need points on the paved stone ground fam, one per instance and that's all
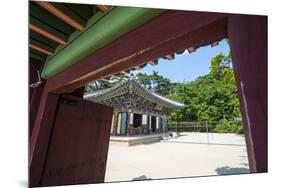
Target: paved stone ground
(186, 156)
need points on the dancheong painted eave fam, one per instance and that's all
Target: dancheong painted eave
(116, 23)
(129, 86)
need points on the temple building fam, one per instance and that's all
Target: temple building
(137, 111)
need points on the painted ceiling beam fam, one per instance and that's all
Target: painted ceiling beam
(169, 57)
(46, 34)
(154, 62)
(216, 43)
(116, 57)
(114, 76)
(180, 52)
(191, 50)
(40, 49)
(103, 8)
(125, 73)
(137, 68)
(60, 15)
(116, 23)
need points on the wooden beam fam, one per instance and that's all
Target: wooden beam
(137, 67)
(154, 62)
(125, 73)
(40, 49)
(180, 52)
(103, 8)
(113, 76)
(214, 44)
(169, 57)
(60, 15)
(176, 34)
(46, 34)
(191, 50)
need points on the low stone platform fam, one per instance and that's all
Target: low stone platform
(134, 140)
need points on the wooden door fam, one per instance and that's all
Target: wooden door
(78, 146)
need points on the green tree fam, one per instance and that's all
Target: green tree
(155, 82)
(212, 97)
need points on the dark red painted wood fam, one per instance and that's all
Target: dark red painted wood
(34, 105)
(34, 93)
(40, 136)
(79, 143)
(170, 32)
(79, 92)
(33, 66)
(248, 42)
(171, 29)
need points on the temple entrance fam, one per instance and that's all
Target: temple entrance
(137, 120)
(153, 124)
(204, 28)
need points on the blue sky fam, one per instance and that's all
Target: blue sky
(187, 67)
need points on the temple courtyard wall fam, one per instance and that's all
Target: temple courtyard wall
(191, 154)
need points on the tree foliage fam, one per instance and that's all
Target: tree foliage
(155, 82)
(212, 97)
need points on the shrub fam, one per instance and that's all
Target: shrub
(228, 126)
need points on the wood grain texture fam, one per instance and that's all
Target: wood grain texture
(248, 43)
(79, 143)
(41, 133)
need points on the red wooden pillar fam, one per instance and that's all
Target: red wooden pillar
(248, 43)
(34, 105)
(34, 66)
(41, 133)
(34, 93)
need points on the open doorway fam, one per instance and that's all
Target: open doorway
(153, 124)
(203, 82)
(137, 120)
(161, 35)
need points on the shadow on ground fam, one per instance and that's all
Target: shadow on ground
(227, 170)
(142, 177)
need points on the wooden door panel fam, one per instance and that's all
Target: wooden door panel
(79, 142)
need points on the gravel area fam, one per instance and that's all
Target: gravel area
(189, 155)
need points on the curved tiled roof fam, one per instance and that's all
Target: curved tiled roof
(127, 86)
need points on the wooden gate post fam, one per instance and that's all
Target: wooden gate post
(41, 133)
(248, 43)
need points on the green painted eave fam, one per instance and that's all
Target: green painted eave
(114, 24)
